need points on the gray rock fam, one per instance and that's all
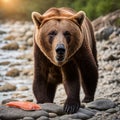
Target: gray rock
(7, 113)
(92, 110)
(87, 112)
(65, 117)
(43, 118)
(7, 87)
(51, 107)
(94, 118)
(101, 104)
(75, 116)
(80, 116)
(104, 33)
(56, 118)
(111, 110)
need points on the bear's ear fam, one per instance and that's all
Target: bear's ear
(37, 18)
(79, 17)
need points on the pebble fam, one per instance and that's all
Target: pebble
(52, 115)
(109, 67)
(4, 63)
(28, 118)
(111, 58)
(10, 37)
(13, 72)
(7, 87)
(30, 41)
(23, 88)
(101, 104)
(11, 46)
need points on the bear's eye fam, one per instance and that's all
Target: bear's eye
(67, 35)
(52, 34)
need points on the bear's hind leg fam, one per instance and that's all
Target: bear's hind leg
(72, 87)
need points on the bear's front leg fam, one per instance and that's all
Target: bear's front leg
(72, 87)
(40, 76)
(40, 89)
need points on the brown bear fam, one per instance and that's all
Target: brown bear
(64, 52)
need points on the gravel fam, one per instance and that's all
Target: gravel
(16, 74)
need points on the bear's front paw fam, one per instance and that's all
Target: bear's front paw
(71, 106)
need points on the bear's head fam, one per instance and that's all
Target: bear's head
(58, 33)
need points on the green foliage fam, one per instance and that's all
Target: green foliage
(21, 9)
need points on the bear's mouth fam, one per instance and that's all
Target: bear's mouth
(60, 58)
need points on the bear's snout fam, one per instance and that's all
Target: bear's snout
(60, 52)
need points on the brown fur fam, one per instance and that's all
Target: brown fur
(80, 56)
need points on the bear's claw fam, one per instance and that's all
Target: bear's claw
(71, 108)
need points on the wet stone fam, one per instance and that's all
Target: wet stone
(56, 118)
(80, 116)
(92, 110)
(51, 107)
(101, 104)
(77, 115)
(111, 110)
(87, 112)
(7, 113)
(43, 118)
(65, 117)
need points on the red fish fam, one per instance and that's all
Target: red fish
(24, 105)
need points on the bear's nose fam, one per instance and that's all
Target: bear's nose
(60, 49)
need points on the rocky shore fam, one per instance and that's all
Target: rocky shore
(16, 74)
